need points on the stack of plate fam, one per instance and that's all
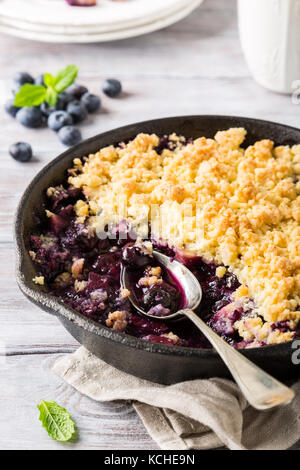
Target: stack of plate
(55, 21)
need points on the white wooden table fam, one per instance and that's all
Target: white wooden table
(193, 67)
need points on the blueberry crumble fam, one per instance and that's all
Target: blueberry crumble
(231, 215)
(82, 3)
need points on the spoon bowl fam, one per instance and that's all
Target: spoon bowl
(188, 282)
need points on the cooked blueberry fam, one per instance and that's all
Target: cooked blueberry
(282, 326)
(144, 325)
(22, 77)
(30, 117)
(82, 3)
(159, 339)
(10, 108)
(77, 90)
(164, 143)
(39, 80)
(223, 321)
(132, 256)
(161, 294)
(21, 151)
(232, 282)
(111, 87)
(77, 110)
(106, 262)
(57, 223)
(159, 311)
(69, 135)
(59, 119)
(91, 102)
(47, 110)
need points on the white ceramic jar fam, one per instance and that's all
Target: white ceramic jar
(270, 38)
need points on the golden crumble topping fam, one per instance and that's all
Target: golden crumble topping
(79, 285)
(220, 271)
(39, 280)
(172, 337)
(117, 320)
(124, 293)
(77, 267)
(237, 207)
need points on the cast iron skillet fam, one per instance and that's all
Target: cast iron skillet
(156, 362)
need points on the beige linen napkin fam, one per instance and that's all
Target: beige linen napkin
(197, 414)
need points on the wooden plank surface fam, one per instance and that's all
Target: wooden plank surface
(194, 67)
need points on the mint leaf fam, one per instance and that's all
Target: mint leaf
(49, 80)
(30, 95)
(65, 77)
(56, 420)
(51, 96)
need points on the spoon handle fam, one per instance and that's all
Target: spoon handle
(260, 389)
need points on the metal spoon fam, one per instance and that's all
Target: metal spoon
(260, 389)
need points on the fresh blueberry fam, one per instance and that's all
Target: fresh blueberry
(65, 98)
(69, 135)
(39, 80)
(47, 110)
(10, 108)
(77, 90)
(59, 119)
(21, 151)
(23, 77)
(91, 102)
(30, 117)
(77, 110)
(111, 87)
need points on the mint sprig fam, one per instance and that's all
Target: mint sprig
(34, 95)
(56, 420)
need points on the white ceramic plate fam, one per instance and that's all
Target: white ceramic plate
(113, 20)
(106, 13)
(90, 29)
